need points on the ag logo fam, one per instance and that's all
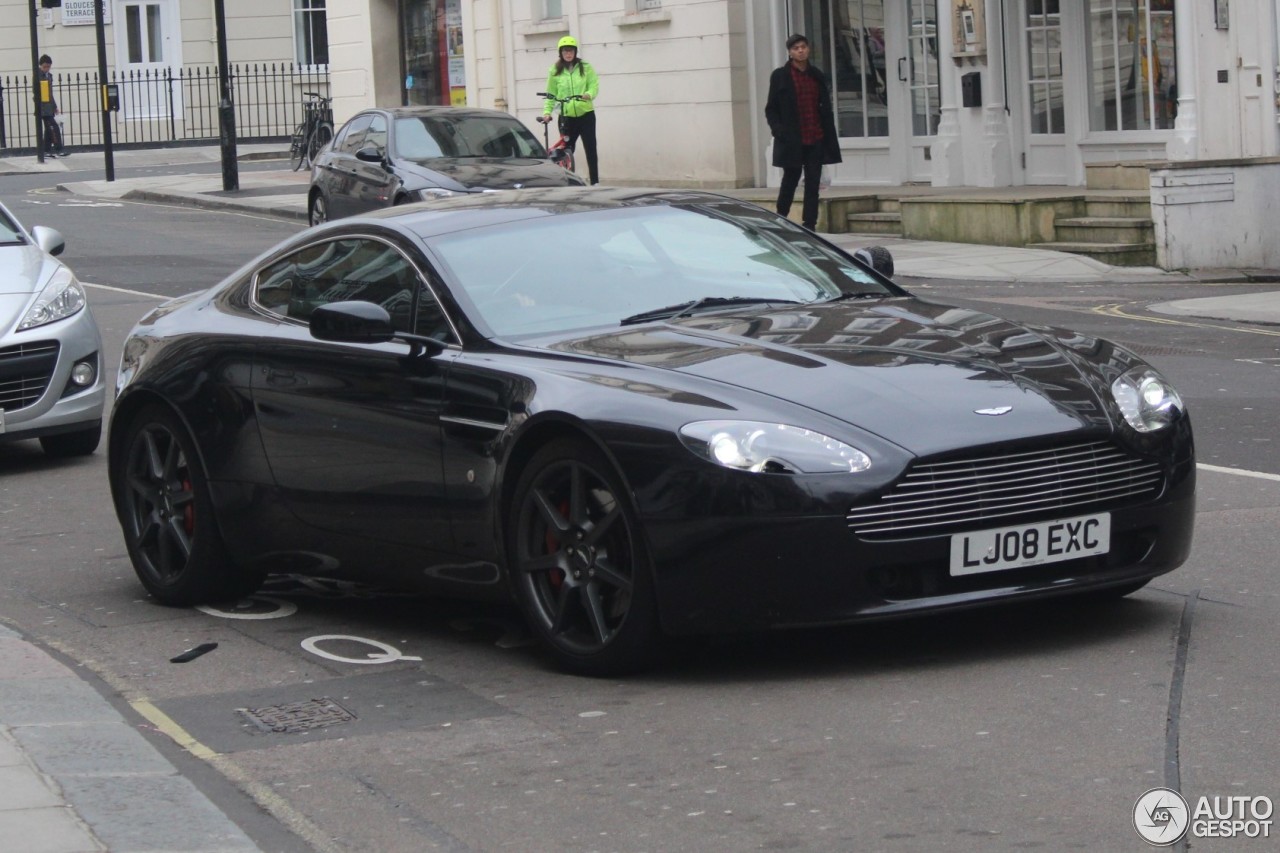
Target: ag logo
(1160, 816)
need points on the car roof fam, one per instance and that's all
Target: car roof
(438, 110)
(474, 210)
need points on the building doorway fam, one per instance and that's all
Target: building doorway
(148, 52)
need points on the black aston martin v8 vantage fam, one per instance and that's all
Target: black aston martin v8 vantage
(641, 413)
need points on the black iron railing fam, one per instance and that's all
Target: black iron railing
(162, 107)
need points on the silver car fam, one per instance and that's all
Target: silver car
(51, 385)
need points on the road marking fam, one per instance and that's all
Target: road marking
(1116, 309)
(242, 609)
(166, 726)
(1239, 472)
(124, 290)
(389, 653)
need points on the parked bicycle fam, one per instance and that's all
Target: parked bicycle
(315, 132)
(562, 152)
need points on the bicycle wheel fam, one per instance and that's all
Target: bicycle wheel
(322, 137)
(298, 147)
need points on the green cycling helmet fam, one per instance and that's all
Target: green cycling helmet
(567, 41)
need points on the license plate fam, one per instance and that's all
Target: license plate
(1030, 544)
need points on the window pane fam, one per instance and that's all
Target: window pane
(854, 29)
(155, 40)
(311, 32)
(340, 271)
(133, 32)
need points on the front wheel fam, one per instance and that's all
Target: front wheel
(318, 209)
(166, 514)
(298, 147)
(578, 563)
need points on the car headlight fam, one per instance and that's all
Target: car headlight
(771, 448)
(61, 297)
(1146, 399)
(434, 192)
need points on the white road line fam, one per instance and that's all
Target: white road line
(123, 290)
(1239, 472)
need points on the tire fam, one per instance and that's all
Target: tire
(166, 515)
(322, 137)
(878, 258)
(578, 565)
(298, 147)
(67, 444)
(317, 209)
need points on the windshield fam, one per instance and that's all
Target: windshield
(9, 232)
(464, 135)
(604, 267)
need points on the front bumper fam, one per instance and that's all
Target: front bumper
(60, 408)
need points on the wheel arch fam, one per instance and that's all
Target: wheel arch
(127, 408)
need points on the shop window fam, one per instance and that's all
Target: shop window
(310, 32)
(1132, 64)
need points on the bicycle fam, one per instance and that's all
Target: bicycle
(562, 152)
(315, 132)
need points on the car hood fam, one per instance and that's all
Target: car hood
(483, 173)
(924, 376)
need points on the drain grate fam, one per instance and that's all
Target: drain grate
(295, 717)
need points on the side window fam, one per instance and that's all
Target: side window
(431, 320)
(340, 271)
(353, 139)
(376, 135)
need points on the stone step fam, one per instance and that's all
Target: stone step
(1116, 254)
(1128, 175)
(1124, 206)
(882, 222)
(1114, 230)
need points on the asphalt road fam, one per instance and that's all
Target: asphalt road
(442, 728)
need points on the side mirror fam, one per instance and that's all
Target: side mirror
(49, 239)
(358, 322)
(369, 154)
(352, 323)
(878, 258)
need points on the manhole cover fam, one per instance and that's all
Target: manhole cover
(297, 716)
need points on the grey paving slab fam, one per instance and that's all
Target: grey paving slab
(49, 830)
(24, 788)
(146, 813)
(46, 701)
(86, 748)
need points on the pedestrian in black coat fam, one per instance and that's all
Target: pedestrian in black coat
(803, 124)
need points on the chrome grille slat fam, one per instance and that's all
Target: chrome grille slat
(943, 497)
(25, 371)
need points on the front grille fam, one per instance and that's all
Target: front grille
(1007, 488)
(25, 370)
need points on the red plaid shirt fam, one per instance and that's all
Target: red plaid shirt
(807, 106)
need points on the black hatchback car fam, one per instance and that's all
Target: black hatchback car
(385, 157)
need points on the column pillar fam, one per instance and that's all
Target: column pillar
(1185, 144)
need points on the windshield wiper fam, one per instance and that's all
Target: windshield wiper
(684, 309)
(862, 294)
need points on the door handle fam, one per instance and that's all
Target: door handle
(902, 75)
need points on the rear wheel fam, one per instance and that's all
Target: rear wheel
(166, 514)
(298, 147)
(578, 563)
(67, 444)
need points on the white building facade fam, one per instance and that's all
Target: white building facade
(984, 93)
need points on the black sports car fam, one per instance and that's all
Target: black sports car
(643, 414)
(387, 157)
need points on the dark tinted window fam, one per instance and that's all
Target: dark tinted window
(340, 271)
(464, 135)
(353, 136)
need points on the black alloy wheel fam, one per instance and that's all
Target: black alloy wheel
(318, 211)
(579, 565)
(162, 499)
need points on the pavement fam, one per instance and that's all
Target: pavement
(77, 774)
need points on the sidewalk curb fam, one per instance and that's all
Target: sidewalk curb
(202, 200)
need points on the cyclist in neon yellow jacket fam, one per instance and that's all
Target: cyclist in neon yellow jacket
(570, 76)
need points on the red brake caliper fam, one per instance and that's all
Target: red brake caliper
(556, 576)
(189, 511)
